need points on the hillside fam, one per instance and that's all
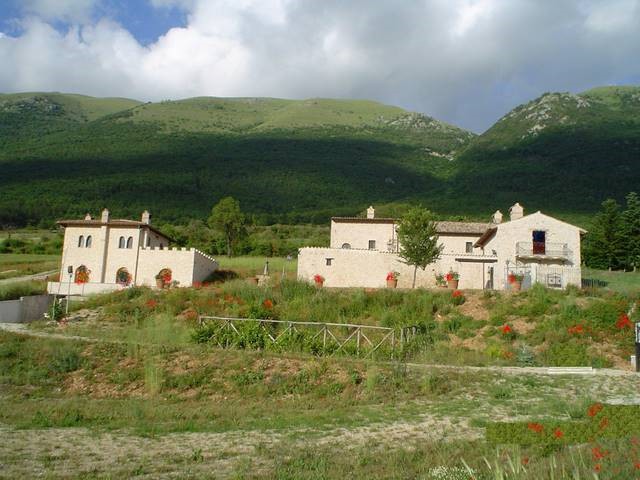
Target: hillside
(304, 160)
(285, 160)
(559, 152)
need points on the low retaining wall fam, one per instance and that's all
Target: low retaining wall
(27, 309)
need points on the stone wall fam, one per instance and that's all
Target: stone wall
(369, 269)
(186, 265)
(357, 235)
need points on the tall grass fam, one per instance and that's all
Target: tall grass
(13, 291)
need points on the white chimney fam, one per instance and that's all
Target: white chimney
(88, 216)
(371, 213)
(516, 211)
(497, 217)
(146, 217)
(105, 216)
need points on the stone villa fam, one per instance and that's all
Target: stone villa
(101, 255)
(363, 251)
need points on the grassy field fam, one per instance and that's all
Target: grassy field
(74, 409)
(18, 265)
(624, 282)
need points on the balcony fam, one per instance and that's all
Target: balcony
(543, 251)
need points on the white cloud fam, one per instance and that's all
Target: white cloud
(465, 61)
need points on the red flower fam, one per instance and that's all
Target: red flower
(457, 293)
(594, 409)
(558, 433)
(318, 278)
(576, 330)
(597, 467)
(268, 304)
(535, 427)
(603, 423)
(506, 329)
(597, 453)
(624, 322)
(151, 303)
(525, 460)
(392, 276)
(636, 465)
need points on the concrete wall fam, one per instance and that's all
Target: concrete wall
(358, 234)
(369, 269)
(26, 309)
(62, 288)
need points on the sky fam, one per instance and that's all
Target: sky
(467, 62)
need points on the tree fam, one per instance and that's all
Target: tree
(605, 242)
(631, 230)
(418, 239)
(227, 217)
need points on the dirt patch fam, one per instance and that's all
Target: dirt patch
(474, 307)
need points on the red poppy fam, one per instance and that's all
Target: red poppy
(151, 303)
(535, 427)
(268, 304)
(624, 322)
(506, 329)
(636, 465)
(576, 330)
(318, 278)
(597, 453)
(457, 293)
(594, 409)
(597, 467)
(525, 460)
(558, 433)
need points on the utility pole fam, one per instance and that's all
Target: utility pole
(70, 272)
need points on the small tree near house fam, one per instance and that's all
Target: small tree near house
(227, 217)
(418, 238)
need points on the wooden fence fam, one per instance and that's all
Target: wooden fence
(336, 337)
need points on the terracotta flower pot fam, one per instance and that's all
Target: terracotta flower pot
(393, 283)
(319, 284)
(254, 280)
(516, 286)
(452, 284)
(159, 283)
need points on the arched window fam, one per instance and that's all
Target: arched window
(81, 241)
(346, 246)
(88, 242)
(130, 242)
(123, 277)
(82, 274)
(121, 242)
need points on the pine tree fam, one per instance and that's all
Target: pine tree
(631, 230)
(605, 243)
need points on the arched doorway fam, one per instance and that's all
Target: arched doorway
(82, 274)
(123, 277)
(163, 278)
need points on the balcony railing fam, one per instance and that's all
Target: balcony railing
(543, 250)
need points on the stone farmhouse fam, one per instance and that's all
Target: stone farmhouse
(101, 255)
(363, 251)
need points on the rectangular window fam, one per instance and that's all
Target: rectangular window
(539, 242)
(469, 247)
(329, 261)
(372, 244)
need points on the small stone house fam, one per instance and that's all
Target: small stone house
(108, 254)
(363, 251)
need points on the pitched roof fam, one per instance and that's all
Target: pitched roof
(468, 228)
(111, 223)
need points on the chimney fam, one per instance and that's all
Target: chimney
(105, 216)
(497, 217)
(371, 213)
(146, 217)
(88, 217)
(516, 212)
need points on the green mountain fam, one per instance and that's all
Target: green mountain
(62, 155)
(559, 152)
(293, 161)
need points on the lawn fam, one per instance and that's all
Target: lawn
(625, 282)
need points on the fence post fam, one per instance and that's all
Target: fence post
(324, 338)
(358, 341)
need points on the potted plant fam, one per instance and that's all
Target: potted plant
(392, 279)
(319, 279)
(440, 281)
(452, 279)
(163, 278)
(515, 280)
(159, 281)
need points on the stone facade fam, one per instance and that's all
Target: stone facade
(113, 254)
(364, 250)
